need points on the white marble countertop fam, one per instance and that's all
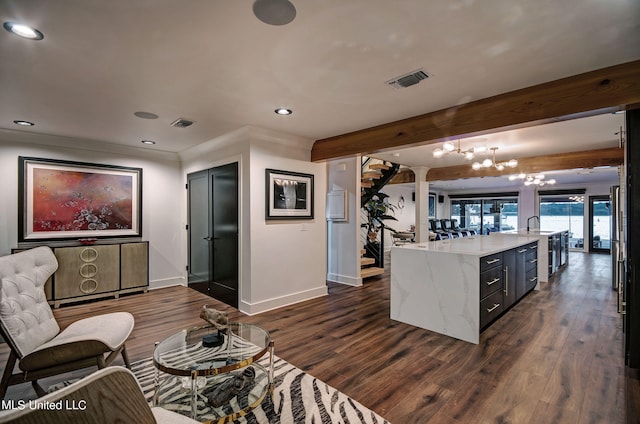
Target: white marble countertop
(473, 246)
(531, 233)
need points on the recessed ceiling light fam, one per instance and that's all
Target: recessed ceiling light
(148, 142)
(146, 115)
(23, 123)
(283, 111)
(23, 31)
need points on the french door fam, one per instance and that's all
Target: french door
(213, 232)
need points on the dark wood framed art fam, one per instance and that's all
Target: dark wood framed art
(289, 195)
(59, 200)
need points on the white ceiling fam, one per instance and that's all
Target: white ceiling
(214, 62)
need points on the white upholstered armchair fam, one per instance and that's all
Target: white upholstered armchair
(29, 327)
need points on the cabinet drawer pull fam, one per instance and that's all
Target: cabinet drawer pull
(493, 261)
(532, 261)
(533, 279)
(495, 306)
(495, 280)
(522, 250)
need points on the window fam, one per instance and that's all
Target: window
(486, 215)
(564, 213)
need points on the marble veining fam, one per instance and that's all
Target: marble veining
(436, 285)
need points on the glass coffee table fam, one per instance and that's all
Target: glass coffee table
(214, 383)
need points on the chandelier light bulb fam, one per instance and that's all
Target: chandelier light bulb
(527, 183)
(487, 163)
(469, 155)
(437, 153)
(513, 177)
(476, 166)
(522, 176)
(512, 163)
(500, 167)
(449, 147)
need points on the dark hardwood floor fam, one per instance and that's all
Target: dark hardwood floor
(555, 357)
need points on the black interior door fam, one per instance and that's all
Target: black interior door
(213, 232)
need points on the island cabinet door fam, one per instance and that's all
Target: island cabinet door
(521, 271)
(510, 277)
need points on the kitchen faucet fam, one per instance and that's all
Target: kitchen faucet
(530, 218)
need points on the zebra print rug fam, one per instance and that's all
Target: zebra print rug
(297, 398)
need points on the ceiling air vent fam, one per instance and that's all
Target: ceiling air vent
(181, 123)
(408, 80)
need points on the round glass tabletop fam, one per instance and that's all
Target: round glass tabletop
(204, 351)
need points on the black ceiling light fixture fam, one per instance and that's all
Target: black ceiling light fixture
(274, 12)
(23, 31)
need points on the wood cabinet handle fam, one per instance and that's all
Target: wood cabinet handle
(493, 261)
(522, 251)
(495, 306)
(495, 280)
(533, 247)
(533, 261)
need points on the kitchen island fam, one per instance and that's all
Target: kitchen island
(459, 286)
(553, 249)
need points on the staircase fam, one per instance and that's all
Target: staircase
(375, 175)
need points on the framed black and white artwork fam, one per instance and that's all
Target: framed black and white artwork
(289, 195)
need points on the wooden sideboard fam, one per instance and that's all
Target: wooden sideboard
(96, 271)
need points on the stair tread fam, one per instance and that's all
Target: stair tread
(371, 271)
(371, 175)
(367, 261)
(366, 184)
(379, 166)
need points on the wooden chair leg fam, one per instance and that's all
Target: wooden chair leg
(6, 375)
(125, 357)
(40, 391)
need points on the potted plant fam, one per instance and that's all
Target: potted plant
(378, 210)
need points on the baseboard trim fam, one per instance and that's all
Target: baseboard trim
(343, 279)
(279, 302)
(167, 282)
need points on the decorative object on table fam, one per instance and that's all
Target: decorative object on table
(289, 195)
(230, 388)
(68, 200)
(219, 320)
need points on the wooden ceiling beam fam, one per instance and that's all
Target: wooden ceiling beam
(613, 88)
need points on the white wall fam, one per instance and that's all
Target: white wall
(161, 177)
(343, 265)
(282, 262)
